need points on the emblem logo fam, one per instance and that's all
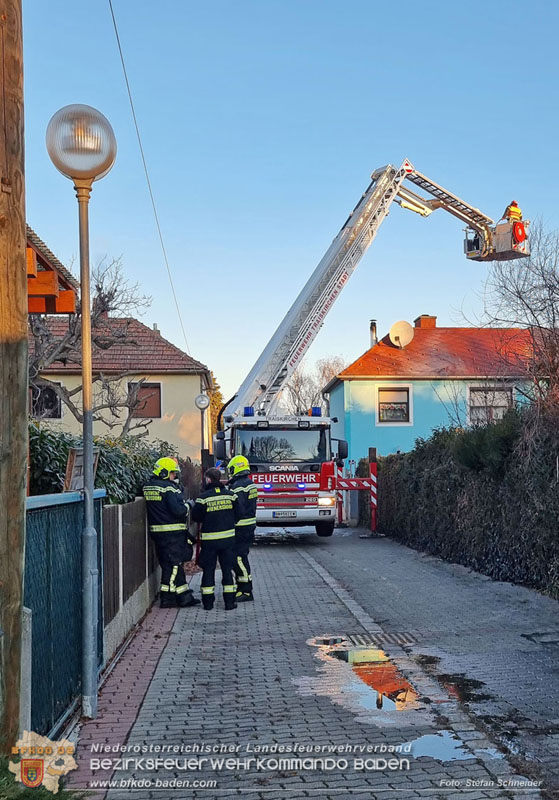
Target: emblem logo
(32, 771)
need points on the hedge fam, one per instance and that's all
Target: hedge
(124, 463)
(470, 497)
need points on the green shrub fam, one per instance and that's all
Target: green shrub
(124, 463)
(488, 447)
(471, 498)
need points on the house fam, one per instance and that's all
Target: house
(51, 288)
(391, 395)
(169, 382)
(169, 379)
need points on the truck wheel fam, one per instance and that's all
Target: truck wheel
(325, 528)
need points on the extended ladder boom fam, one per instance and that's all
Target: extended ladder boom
(262, 387)
(302, 322)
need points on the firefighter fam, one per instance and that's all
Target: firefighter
(513, 212)
(168, 527)
(216, 511)
(247, 494)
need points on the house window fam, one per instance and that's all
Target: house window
(149, 400)
(488, 404)
(45, 403)
(393, 405)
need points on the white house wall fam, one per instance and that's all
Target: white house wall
(180, 421)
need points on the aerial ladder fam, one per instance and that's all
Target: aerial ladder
(292, 458)
(485, 241)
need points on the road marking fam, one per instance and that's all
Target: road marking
(358, 611)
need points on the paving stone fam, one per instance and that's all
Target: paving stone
(251, 677)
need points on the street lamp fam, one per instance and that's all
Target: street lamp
(202, 401)
(82, 146)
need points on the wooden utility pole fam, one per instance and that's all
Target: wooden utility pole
(13, 367)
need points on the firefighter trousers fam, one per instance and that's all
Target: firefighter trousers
(212, 551)
(173, 549)
(244, 537)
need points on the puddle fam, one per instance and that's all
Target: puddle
(365, 681)
(330, 640)
(362, 679)
(426, 661)
(443, 746)
(459, 687)
(464, 689)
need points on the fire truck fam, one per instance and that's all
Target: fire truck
(294, 460)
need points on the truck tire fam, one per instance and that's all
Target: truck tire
(325, 528)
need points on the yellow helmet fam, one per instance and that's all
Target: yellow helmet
(164, 466)
(237, 465)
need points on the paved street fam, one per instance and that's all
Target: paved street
(272, 700)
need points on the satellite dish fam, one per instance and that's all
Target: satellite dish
(401, 333)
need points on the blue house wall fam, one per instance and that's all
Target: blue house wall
(432, 403)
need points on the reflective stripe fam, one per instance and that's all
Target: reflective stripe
(248, 521)
(181, 589)
(158, 490)
(224, 503)
(161, 489)
(230, 588)
(245, 488)
(164, 587)
(217, 534)
(244, 577)
(172, 585)
(175, 526)
(208, 589)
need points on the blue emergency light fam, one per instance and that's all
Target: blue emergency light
(268, 486)
(316, 411)
(248, 411)
(302, 486)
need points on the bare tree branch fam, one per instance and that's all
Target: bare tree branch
(115, 301)
(525, 294)
(304, 389)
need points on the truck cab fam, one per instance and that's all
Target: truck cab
(293, 466)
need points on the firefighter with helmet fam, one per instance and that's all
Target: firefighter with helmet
(242, 486)
(167, 513)
(216, 511)
(513, 212)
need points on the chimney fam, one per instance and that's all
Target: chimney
(373, 329)
(156, 329)
(425, 321)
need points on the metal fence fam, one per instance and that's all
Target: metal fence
(52, 591)
(128, 554)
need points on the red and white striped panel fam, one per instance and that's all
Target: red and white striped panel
(339, 493)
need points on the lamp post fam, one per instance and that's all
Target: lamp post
(202, 401)
(82, 146)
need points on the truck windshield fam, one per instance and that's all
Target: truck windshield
(275, 446)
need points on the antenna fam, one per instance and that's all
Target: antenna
(401, 334)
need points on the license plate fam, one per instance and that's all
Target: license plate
(276, 514)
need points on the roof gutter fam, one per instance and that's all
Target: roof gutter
(485, 377)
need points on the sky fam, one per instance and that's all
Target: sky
(262, 121)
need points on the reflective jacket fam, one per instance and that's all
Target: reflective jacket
(166, 507)
(247, 496)
(216, 510)
(514, 213)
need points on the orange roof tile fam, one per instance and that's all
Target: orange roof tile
(448, 353)
(146, 351)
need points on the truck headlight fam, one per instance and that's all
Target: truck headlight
(326, 501)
